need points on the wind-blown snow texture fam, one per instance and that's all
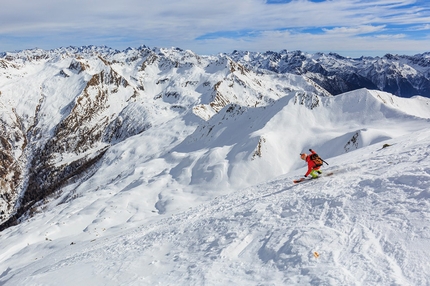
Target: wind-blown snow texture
(193, 179)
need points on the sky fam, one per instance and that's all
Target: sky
(348, 27)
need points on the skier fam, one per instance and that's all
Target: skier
(314, 163)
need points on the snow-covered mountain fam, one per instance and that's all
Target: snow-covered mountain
(161, 166)
(63, 109)
(404, 76)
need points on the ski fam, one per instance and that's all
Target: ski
(299, 180)
(305, 179)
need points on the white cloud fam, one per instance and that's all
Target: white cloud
(423, 27)
(355, 30)
(119, 24)
(344, 44)
(396, 36)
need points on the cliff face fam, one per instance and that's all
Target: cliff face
(12, 159)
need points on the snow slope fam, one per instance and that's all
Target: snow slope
(215, 204)
(194, 185)
(369, 223)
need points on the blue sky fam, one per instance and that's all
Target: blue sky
(348, 27)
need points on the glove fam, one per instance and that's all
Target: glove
(305, 176)
(310, 150)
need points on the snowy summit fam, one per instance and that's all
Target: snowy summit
(163, 167)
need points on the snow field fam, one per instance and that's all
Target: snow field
(369, 223)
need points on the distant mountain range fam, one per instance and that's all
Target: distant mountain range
(63, 109)
(404, 76)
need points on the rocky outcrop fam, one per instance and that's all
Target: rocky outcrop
(12, 157)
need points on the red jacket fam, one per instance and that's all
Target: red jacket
(311, 164)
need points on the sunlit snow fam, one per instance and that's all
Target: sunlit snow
(212, 202)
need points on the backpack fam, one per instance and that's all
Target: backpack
(316, 159)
